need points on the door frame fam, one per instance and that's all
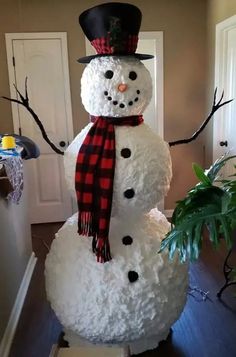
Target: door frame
(220, 64)
(10, 37)
(157, 36)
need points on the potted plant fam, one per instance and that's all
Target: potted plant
(210, 205)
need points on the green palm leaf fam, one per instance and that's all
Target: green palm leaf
(212, 172)
(206, 206)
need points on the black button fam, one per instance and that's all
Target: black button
(108, 74)
(127, 240)
(131, 103)
(125, 153)
(133, 276)
(132, 75)
(122, 105)
(129, 193)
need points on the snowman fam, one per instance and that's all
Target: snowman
(105, 280)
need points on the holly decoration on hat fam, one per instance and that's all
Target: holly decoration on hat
(116, 37)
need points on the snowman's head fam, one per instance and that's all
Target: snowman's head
(116, 87)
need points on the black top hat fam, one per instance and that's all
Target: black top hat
(112, 29)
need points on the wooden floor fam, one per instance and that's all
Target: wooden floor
(205, 329)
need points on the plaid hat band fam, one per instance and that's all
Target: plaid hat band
(104, 45)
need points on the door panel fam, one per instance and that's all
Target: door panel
(225, 74)
(150, 114)
(40, 59)
(230, 111)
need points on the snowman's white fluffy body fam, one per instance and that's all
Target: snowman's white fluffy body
(97, 301)
(99, 93)
(147, 171)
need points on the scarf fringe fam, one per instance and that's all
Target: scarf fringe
(85, 224)
(101, 248)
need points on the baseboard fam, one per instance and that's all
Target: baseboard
(168, 213)
(16, 310)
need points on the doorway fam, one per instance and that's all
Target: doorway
(224, 129)
(43, 59)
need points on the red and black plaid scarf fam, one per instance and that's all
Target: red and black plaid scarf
(95, 168)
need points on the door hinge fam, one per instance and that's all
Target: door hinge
(13, 61)
(20, 131)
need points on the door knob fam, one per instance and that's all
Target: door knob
(224, 143)
(62, 143)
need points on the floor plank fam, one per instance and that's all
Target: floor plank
(38, 326)
(206, 328)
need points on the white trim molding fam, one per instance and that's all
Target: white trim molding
(8, 336)
(168, 213)
(158, 92)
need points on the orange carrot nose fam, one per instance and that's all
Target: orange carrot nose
(122, 87)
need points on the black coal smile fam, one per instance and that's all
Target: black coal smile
(121, 105)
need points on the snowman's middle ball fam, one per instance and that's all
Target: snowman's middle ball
(116, 87)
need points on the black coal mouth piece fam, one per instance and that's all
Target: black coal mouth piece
(122, 105)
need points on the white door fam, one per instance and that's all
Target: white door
(152, 43)
(225, 79)
(43, 59)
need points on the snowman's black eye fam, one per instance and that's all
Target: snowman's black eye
(108, 74)
(132, 75)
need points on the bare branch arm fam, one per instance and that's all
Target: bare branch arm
(25, 103)
(214, 108)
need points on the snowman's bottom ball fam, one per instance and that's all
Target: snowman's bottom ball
(103, 303)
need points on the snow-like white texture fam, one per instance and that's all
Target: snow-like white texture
(97, 301)
(100, 95)
(70, 156)
(147, 171)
